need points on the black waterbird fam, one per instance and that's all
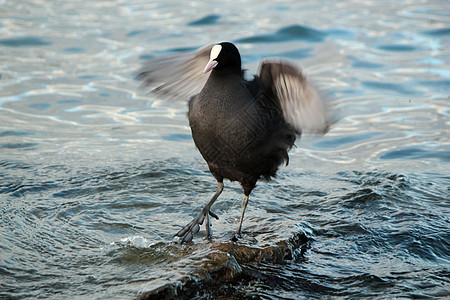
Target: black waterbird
(243, 128)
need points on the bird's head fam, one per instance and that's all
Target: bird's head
(224, 57)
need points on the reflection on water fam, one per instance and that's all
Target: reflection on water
(96, 176)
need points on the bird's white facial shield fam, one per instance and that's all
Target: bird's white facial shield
(212, 63)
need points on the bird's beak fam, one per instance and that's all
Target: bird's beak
(211, 65)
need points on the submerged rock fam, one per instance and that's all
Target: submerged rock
(221, 264)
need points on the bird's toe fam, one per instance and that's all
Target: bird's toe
(195, 229)
(213, 215)
(186, 234)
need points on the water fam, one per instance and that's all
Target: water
(96, 176)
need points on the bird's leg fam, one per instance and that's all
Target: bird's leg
(186, 234)
(208, 227)
(243, 206)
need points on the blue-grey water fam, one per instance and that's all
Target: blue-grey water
(96, 176)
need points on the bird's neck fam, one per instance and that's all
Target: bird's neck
(229, 71)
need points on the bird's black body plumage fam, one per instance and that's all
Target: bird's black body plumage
(243, 129)
(239, 133)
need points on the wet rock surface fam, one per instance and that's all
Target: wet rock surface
(227, 265)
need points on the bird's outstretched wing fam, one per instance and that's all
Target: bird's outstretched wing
(302, 105)
(178, 75)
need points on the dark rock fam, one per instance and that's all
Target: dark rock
(219, 266)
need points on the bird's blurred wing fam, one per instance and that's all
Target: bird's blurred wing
(178, 75)
(302, 105)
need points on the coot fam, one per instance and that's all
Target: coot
(243, 128)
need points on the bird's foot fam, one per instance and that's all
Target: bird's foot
(186, 234)
(236, 237)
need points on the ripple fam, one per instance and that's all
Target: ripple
(69, 101)
(395, 87)
(19, 190)
(439, 32)
(136, 32)
(437, 85)
(14, 133)
(398, 48)
(341, 33)
(19, 165)
(417, 153)
(349, 139)
(39, 106)
(207, 20)
(290, 33)
(358, 63)
(295, 54)
(177, 137)
(75, 49)
(25, 146)
(29, 41)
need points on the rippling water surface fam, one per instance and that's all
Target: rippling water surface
(96, 176)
